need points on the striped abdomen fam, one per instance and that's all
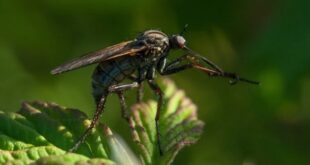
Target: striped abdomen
(109, 73)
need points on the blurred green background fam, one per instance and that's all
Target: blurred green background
(263, 40)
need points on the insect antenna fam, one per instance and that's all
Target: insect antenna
(184, 29)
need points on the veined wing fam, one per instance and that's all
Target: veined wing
(130, 48)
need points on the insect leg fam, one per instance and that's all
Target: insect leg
(204, 59)
(235, 78)
(173, 66)
(154, 86)
(172, 70)
(141, 76)
(122, 87)
(177, 61)
(140, 91)
(119, 89)
(163, 65)
(99, 111)
(125, 113)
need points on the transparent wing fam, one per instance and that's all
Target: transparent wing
(130, 48)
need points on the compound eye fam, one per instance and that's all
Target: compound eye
(180, 41)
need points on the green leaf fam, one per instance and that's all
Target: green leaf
(179, 126)
(41, 133)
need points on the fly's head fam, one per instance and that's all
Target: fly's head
(177, 42)
(157, 43)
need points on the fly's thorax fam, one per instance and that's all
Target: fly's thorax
(157, 42)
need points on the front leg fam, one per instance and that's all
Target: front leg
(173, 66)
(172, 70)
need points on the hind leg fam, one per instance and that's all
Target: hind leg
(99, 111)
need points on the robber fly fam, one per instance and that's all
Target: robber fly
(139, 60)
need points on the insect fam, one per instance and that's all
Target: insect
(139, 60)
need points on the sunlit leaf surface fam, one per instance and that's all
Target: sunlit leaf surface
(41, 133)
(179, 126)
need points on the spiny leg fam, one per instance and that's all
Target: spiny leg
(119, 89)
(234, 77)
(176, 62)
(125, 113)
(154, 86)
(172, 70)
(99, 111)
(174, 66)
